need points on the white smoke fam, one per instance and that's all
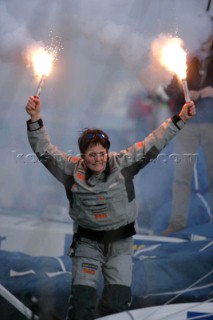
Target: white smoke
(14, 37)
(121, 29)
(129, 41)
(107, 57)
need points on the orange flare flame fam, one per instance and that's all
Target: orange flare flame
(173, 57)
(42, 61)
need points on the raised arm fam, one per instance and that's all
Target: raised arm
(142, 152)
(57, 162)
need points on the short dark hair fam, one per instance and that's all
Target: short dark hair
(93, 136)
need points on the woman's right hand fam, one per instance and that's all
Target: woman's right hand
(33, 108)
(188, 111)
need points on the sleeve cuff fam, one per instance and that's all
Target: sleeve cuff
(178, 122)
(33, 126)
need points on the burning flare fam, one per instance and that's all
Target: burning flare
(42, 61)
(172, 56)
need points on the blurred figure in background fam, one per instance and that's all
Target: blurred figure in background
(197, 133)
(148, 109)
(141, 111)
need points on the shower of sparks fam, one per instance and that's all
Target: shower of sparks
(42, 58)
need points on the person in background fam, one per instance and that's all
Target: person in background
(197, 133)
(141, 112)
(99, 187)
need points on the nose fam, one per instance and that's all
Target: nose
(98, 157)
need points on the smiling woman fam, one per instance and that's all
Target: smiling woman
(92, 137)
(95, 158)
(100, 190)
(106, 48)
(94, 145)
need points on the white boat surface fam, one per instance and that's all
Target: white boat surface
(182, 311)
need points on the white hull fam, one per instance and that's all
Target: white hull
(170, 312)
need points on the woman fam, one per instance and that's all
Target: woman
(100, 190)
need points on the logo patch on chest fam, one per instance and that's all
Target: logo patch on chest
(100, 215)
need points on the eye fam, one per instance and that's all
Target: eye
(102, 154)
(92, 154)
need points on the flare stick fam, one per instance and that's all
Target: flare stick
(186, 94)
(40, 85)
(186, 90)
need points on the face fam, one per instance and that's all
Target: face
(95, 158)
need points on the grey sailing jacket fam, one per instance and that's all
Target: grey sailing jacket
(98, 203)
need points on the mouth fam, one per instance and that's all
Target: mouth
(98, 164)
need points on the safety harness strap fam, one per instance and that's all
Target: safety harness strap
(107, 236)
